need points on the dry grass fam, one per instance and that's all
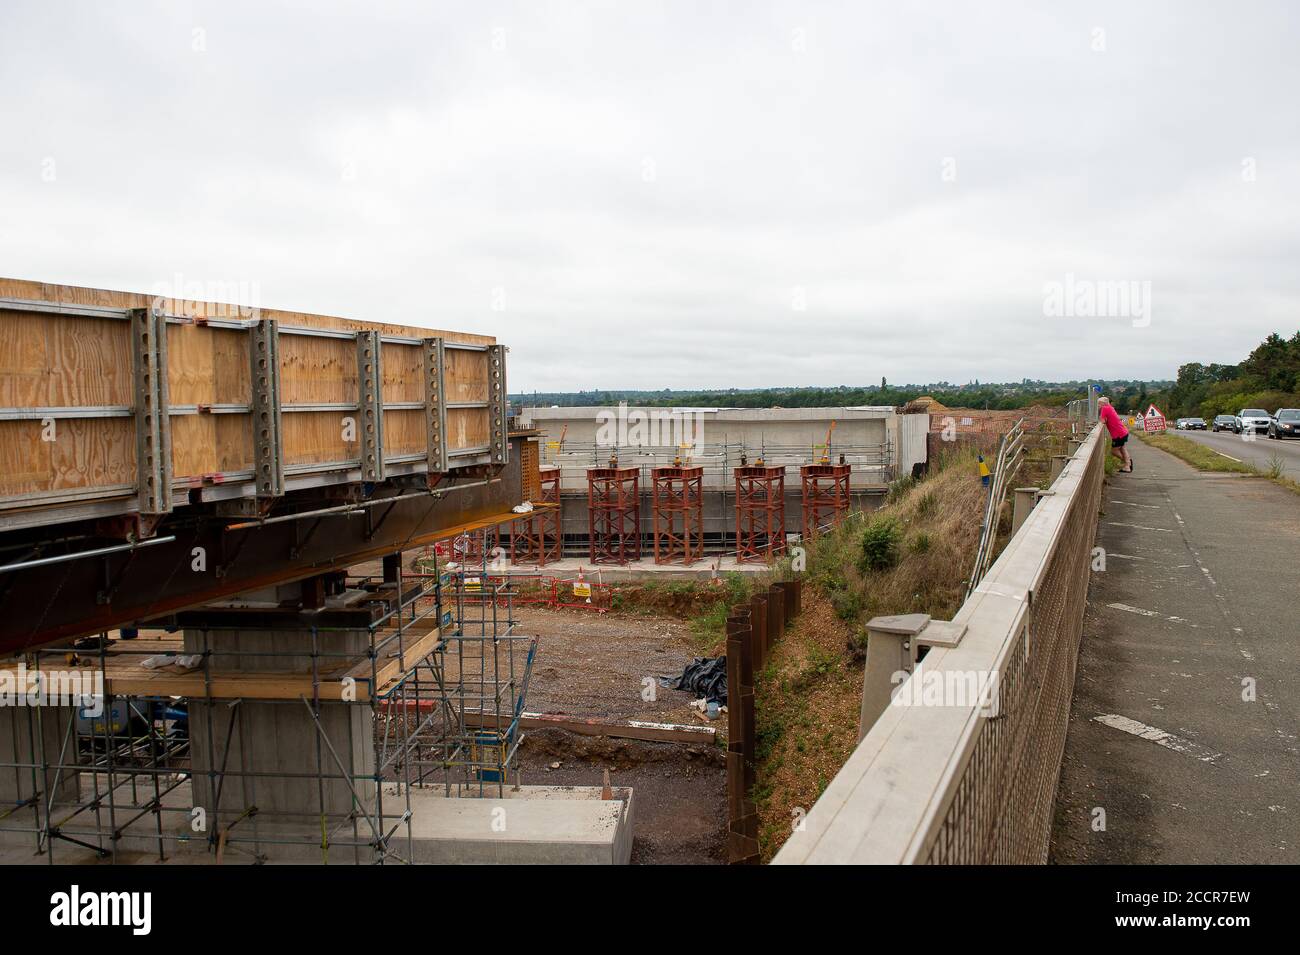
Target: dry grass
(809, 694)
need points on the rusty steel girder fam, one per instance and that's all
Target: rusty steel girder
(200, 558)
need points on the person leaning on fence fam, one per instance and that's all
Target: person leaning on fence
(1118, 434)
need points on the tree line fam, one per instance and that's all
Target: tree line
(1269, 378)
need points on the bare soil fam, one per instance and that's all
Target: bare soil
(679, 801)
(594, 665)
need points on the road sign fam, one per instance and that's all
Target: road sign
(1155, 420)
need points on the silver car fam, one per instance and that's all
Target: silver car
(1256, 420)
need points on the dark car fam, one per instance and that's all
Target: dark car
(1226, 422)
(1194, 424)
(1285, 424)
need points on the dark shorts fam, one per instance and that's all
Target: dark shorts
(1118, 442)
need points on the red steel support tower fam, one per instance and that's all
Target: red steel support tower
(760, 513)
(825, 497)
(538, 538)
(614, 512)
(678, 512)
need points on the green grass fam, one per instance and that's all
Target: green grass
(1204, 458)
(1199, 456)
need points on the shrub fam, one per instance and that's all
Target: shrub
(921, 543)
(847, 604)
(880, 544)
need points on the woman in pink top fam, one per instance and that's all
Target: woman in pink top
(1118, 433)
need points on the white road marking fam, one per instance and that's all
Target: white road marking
(1124, 556)
(1228, 456)
(1150, 613)
(1141, 527)
(1154, 507)
(1157, 736)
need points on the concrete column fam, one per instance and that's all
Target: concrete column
(1025, 499)
(36, 741)
(891, 648)
(280, 737)
(1075, 445)
(1059, 461)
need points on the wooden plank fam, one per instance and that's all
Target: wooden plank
(124, 675)
(385, 673)
(76, 295)
(619, 729)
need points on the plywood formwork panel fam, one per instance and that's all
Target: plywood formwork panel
(79, 362)
(467, 428)
(205, 365)
(75, 361)
(206, 445)
(402, 367)
(85, 453)
(75, 295)
(317, 370)
(404, 433)
(317, 437)
(465, 374)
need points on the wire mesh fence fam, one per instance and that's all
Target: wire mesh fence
(965, 783)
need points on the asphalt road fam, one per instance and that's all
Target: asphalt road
(1256, 452)
(1186, 709)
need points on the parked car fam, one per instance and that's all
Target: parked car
(1286, 423)
(1226, 422)
(1255, 420)
(1194, 424)
(1178, 425)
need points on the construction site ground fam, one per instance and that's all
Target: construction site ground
(594, 665)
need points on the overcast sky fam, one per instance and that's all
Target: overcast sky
(686, 195)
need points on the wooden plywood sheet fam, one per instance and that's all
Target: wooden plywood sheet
(404, 433)
(210, 445)
(465, 375)
(84, 453)
(51, 360)
(467, 428)
(76, 295)
(72, 361)
(207, 366)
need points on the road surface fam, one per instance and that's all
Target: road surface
(1186, 708)
(1256, 452)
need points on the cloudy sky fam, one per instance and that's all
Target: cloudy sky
(680, 194)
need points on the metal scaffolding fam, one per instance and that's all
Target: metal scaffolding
(825, 497)
(614, 514)
(171, 753)
(538, 538)
(677, 504)
(760, 513)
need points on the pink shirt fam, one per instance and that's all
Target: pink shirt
(1110, 418)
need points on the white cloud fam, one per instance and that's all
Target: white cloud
(651, 188)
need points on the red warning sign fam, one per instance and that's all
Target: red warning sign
(1155, 420)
